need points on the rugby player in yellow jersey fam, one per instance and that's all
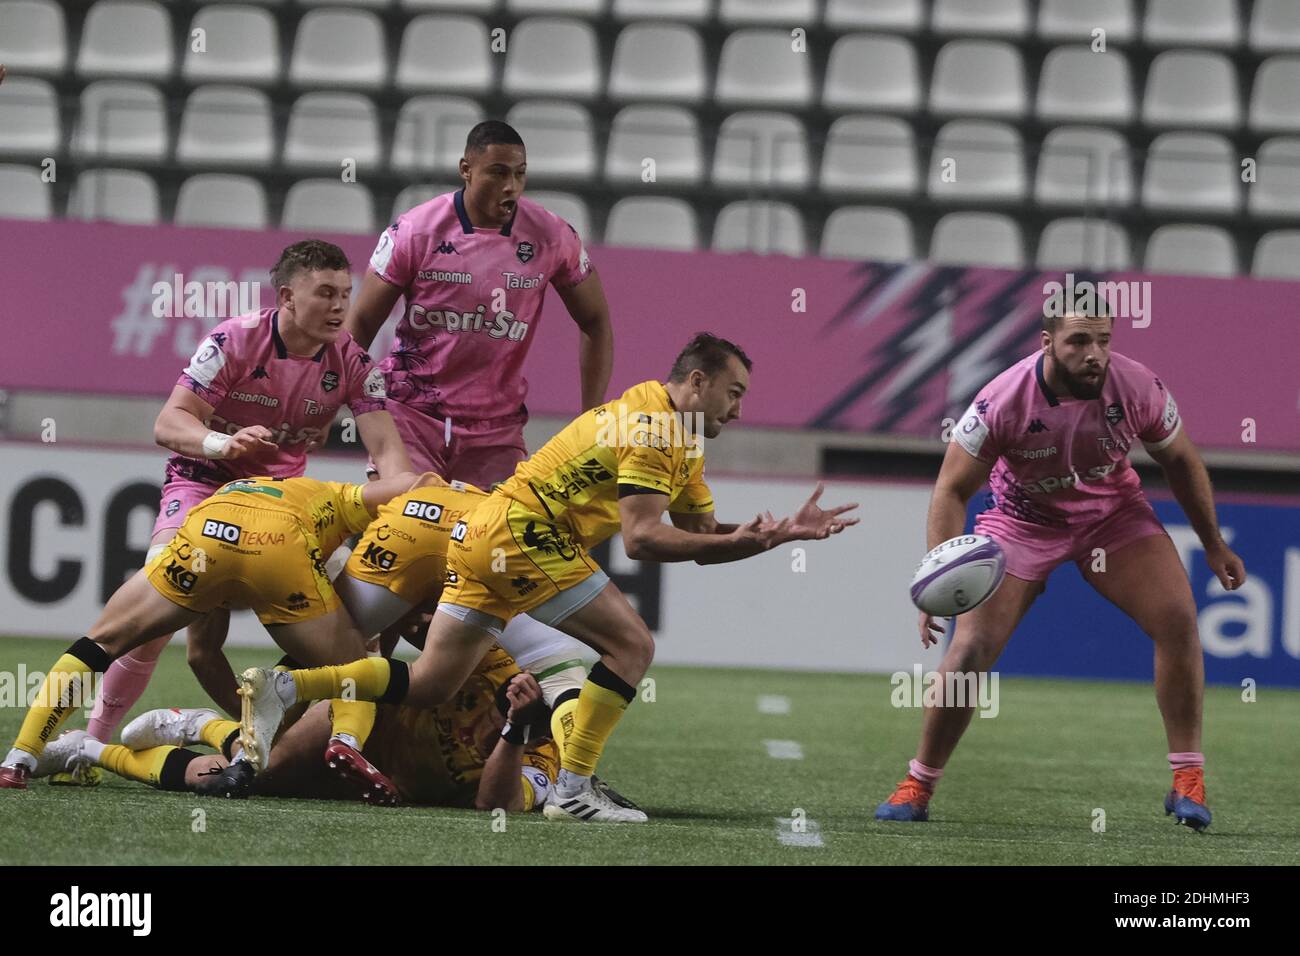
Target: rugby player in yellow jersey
(256, 542)
(617, 467)
(469, 752)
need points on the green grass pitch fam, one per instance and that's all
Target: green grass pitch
(1022, 788)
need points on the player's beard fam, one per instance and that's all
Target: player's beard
(1076, 385)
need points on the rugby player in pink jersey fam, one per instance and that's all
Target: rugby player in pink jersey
(1051, 435)
(259, 393)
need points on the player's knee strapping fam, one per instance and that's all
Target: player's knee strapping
(67, 686)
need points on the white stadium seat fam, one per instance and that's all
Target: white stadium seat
(327, 128)
(29, 117)
(413, 196)
(572, 209)
(560, 138)
(1196, 171)
(1000, 18)
(868, 232)
(339, 48)
(1192, 250)
(1078, 85)
(33, 37)
(121, 120)
(1201, 23)
(371, 4)
(1084, 166)
(592, 9)
(759, 226)
(1069, 21)
(653, 222)
(1084, 244)
(870, 154)
(242, 45)
(978, 77)
(868, 72)
(552, 57)
(477, 7)
(734, 13)
(114, 195)
(127, 39)
(977, 239)
(430, 133)
(669, 135)
(760, 67)
(681, 11)
(1275, 26)
(989, 162)
(1274, 104)
(327, 205)
(450, 54)
(226, 126)
(223, 201)
(903, 16)
(1191, 89)
(23, 195)
(658, 61)
(1277, 255)
(761, 149)
(1276, 189)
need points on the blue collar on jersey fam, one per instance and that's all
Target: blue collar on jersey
(467, 227)
(280, 350)
(1042, 381)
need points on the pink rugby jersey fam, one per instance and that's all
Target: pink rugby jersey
(473, 301)
(1063, 462)
(243, 370)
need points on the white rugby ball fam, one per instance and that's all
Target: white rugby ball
(958, 575)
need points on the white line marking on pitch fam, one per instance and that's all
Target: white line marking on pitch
(784, 749)
(773, 704)
(810, 833)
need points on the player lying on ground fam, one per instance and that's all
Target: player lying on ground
(618, 467)
(257, 543)
(256, 398)
(1051, 435)
(486, 748)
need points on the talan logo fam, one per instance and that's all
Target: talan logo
(77, 909)
(222, 531)
(329, 381)
(524, 251)
(424, 510)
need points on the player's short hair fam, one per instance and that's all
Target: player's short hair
(491, 133)
(1099, 309)
(709, 354)
(308, 256)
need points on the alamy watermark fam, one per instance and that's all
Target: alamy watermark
(978, 689)
(628, 427)
(1129, 299)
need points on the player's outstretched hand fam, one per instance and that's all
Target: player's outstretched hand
(247, 441)
(1226, 565)
(932, 629)
(812, 523)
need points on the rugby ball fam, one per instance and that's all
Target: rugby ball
(958, 575)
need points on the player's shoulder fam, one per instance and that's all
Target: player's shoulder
(1130, 368)
(242, 329)
(428, 215)
(1005, 388)
(537, 217)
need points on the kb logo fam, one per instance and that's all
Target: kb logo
(378, 557)
(221, 531)
(424, 510)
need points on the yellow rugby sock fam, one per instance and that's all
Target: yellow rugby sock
(370, 678)
(353, 717)
(600, 706)
(145, 766)
(562, 718)
(216, 730)
(69, 683)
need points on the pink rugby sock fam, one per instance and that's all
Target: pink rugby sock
(124, 682)
(927, 775)
(1185, 760)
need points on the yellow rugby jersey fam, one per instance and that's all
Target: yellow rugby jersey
(330, 510)
(638, 440)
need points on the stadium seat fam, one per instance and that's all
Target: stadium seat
(327, 205)
(1069, 21)
(989, 162)
(870, 154)
(761, 149)
(242, 45)
(1084, 244)
(29, 116)
(759, 67)
(114, 195)
(339, 48)
(1275, 26)
(23, 195)
(868, 232)
(681, 11)
(1195, 89)
(1276, 190)
(999, 18)
(1273, 101)
(658, 61)
(977, 239)
(1277, 255)
(569, 207)
(450, 54)
(754, 225)
(1192, 250)
(457, 6)
(1084, 166)
(430, 133)
(653, 223)
(978, 77)
(559, 136)
(1192, 171)
(33, 37)
(226, 126)
(667, 134)
(552, 57)
(413, 196)
(120, 120)
(127, 39)
(735, 13)
(1078, 85)
(1199, 23)
(902, 16)
(221, 200)
(327, 128)
(574, 8)
(868, 72)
